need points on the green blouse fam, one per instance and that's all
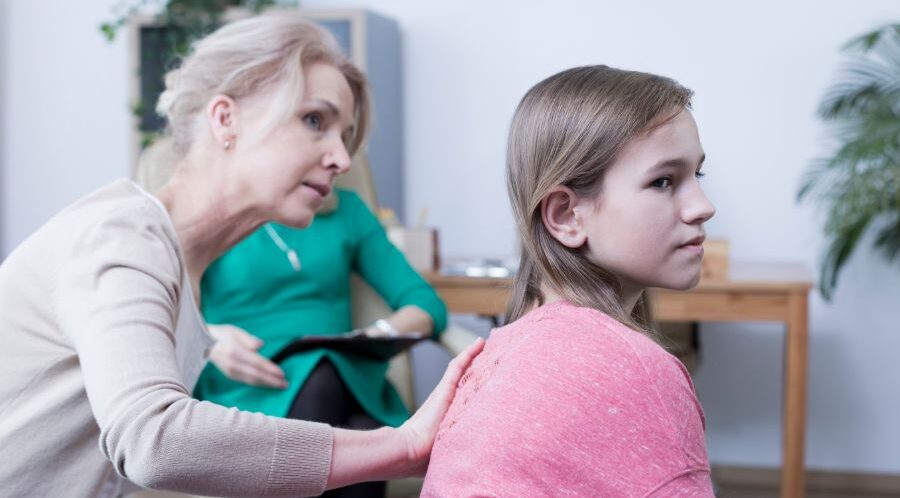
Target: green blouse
(255, 287)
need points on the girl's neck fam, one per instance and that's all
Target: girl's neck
(550, 296)
(631, 297)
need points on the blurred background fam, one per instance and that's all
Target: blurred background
(759, 70)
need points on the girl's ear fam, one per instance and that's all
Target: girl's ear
(562, 217)
(221, 115)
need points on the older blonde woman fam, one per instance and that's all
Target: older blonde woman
(102, 337)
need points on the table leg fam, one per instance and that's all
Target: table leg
(796, 358)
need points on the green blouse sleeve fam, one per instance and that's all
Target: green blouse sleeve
(385, 268)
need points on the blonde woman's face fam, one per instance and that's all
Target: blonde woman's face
(646, 225)
(290, 170)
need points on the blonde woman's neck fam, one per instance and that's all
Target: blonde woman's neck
(209, 217)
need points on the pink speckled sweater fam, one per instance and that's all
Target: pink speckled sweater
(567, 401)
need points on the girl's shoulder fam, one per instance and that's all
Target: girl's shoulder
(601, 354)
(564, 321)
(575, 334)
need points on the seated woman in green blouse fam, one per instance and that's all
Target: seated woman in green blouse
(282, 283)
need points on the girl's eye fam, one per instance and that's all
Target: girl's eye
(699, 174)
(313, 120)
(662, 183)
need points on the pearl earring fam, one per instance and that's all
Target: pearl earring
(227, 144)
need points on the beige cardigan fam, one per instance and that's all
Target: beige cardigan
(101, 341)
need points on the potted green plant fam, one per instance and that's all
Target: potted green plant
(192, 18)
(180, 22)
(858, 185)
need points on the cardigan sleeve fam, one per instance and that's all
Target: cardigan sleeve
(116, 297)
(385, 268)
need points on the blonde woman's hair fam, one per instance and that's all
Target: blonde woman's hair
(245, 57)
(568, 130)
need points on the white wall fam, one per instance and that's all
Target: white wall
(758, 69)
(4, 43)
(65, 110)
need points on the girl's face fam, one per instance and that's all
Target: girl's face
(290, 170)
(646, 224)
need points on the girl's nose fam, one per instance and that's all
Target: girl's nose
(698, 209)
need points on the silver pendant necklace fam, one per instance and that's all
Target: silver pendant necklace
(291, 253)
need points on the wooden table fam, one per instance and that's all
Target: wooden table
(777, 292)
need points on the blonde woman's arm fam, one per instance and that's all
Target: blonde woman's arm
(389, 453)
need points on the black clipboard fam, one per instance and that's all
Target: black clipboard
(356, 342)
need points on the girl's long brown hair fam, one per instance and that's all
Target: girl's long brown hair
(568, 130)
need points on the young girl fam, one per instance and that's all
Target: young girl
(574, 397)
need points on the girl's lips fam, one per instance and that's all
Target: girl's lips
(695, 245)
(694, 248)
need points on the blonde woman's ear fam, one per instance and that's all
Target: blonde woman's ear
(221, 117)
(561, 217)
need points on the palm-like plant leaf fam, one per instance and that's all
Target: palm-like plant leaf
(859, 183)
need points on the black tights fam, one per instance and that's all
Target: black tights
(324, 398)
